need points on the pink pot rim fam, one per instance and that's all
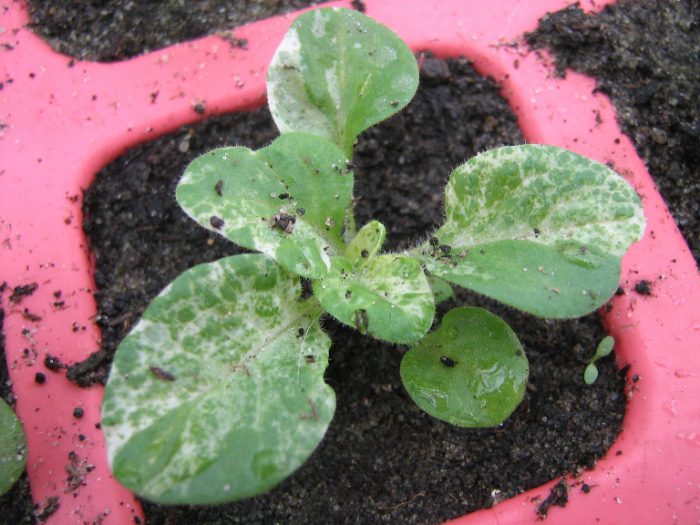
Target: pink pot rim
(64, 119)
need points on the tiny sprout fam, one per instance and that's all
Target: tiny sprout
(604, 348)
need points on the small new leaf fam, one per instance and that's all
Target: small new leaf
(13, 448)
(387, 296)
(536, 227)
(471, 372)
(288, 200)
(238, 402)
(367, 242)
(336, 73)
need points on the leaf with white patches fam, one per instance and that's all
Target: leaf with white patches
(471, 372)
(217, 393)
(387, 296)
(288, 200)
(536, 227)
(336, 73)
(367, 242)
(13, 448)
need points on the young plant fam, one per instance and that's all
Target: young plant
(605, 346)
(218, 393)
(13, 448)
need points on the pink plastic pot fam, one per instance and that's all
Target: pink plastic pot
(63, 120)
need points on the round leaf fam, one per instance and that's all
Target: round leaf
(336, 73)
(217, 393)
(387, 297)
(288, 200)
(471, 372)
(536, 227)
(13, 448)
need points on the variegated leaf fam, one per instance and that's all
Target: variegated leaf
(386, 296)
(217, 393)
(471, 372)
(367, 242)
(536, 227)
(336, 73)
(288, 200)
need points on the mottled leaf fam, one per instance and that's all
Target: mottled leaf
(338, 72)
(536, 227)
(288, 200)
(471, 372)
(217, 393)
(13, 448)
(386, 296)
(367, 242)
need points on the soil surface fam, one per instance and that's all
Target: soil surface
(383, 460)
(111, 30)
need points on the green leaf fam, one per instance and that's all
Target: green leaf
(13, 448)
(387, 296)
(217, 393)
(604, 347)
(536, 227)
(367, 242)
(442, 291)
(336, 73)
(471, 372)
(288, 200)
(590, 374)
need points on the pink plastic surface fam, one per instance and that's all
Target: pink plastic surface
(62, 120)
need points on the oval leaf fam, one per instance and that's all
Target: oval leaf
(590, 374)
(217, 393)
(288, 200)
(387, 297)
(336, 73)
(13, 447)
(367, 242)
(604, 347)
(536, 227)
(471, 372)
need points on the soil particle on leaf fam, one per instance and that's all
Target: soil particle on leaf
(646, 56)
(416, 469)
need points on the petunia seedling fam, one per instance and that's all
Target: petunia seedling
(604, 348)
(218, 392)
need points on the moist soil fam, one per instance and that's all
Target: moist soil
(382, 459)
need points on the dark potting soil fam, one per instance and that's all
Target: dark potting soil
(110, 30)
(382, 460)
(646, 56)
